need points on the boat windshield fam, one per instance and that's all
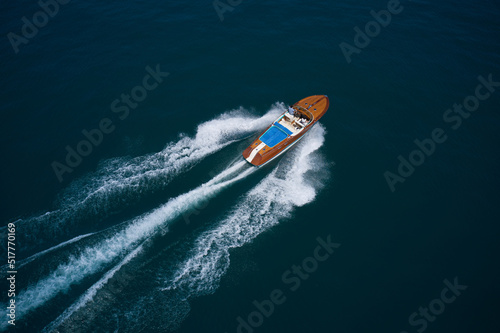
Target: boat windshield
(303, 112)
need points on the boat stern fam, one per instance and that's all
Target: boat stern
(251, 154)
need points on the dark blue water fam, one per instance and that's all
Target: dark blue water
(122, 129)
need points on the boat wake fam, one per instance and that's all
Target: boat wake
(96, 258)
(120, 182)
(207, 258)
(180, 270)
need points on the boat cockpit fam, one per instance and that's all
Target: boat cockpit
(297, 121)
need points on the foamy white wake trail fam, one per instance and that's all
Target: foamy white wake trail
(95, 258)
(120, 181)
(91, 292)
(272, 199)
(226, 173)
(211, 136)
(39, 254)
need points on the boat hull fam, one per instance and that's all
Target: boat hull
(273, 143)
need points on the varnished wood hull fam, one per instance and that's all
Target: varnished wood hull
(259, 153)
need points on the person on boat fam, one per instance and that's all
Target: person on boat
(291, 110)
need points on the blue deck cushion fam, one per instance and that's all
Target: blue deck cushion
(287, 131)
(273, 136)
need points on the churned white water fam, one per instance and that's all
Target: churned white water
(274, 198)
(119, 181)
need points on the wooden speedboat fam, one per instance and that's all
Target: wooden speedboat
(287, 130)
